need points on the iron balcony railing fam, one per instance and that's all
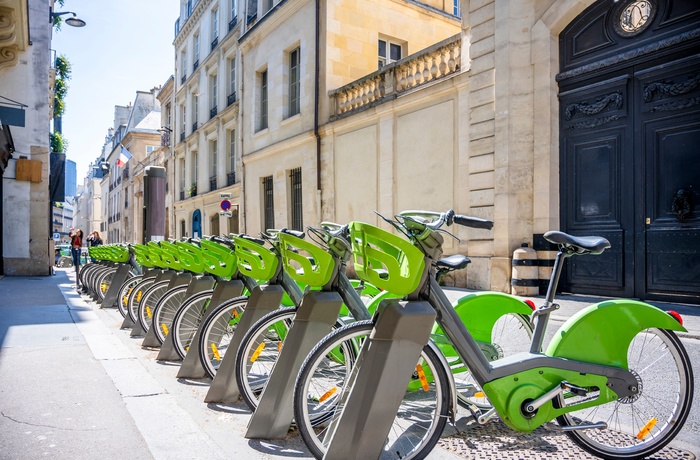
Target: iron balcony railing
(231, 98)
(212, 183)
(183, 78)
(232, 23)
(194, 126)
(230, 178)
(182, 195)
(195, 65)
(213, 112)
(214, 43)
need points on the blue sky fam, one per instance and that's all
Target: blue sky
(126, 46)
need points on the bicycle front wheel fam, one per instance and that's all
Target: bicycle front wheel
(125, 291)
(322, 383)
(150, 299)
(187, 320)
(639, 426)
(258, 353)
(217, 332)
(167, 306)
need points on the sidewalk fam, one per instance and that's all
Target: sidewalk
(75, 386)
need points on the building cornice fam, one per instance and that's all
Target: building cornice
(191, 22)
(14, 31)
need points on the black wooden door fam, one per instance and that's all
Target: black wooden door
(630, 151)
(667, 139)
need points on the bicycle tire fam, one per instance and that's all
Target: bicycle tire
(149, 302)
(165, 310)
(124, 291)
(644, 424)
(103, 282)
(136, 296)
(217, 330)
(259, 351)
(317, 396)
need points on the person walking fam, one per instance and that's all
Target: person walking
(76, 246)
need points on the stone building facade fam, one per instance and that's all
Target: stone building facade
(537, 114)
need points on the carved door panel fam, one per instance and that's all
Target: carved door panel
(629, 91)
(596, 178)
(668, 127)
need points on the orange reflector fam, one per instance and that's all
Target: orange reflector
(257, 352)
(165, 328)
(104, 287)
(279, 347)
(138, 296)
(646, 429)
(328, 394)
(235, 314)
(149, 313)
(125, 300)
(479, 394)
(421, 376)
(215, 350)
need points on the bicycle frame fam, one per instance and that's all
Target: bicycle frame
(522, 387)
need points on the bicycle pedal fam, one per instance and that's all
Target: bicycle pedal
(578, 391)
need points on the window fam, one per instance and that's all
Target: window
(194, 168)
(213, 90)
(234, 7)
(196, 50)
(232, 150)
(151, 148)
(182, 179)
(195, 112)
(182, 228)
(294, 82)
(268, 204)
(182, 117)
(231, 158)
(263, 100)
(231, 80)
(388, 52)
(455, 8)
(296, 211)
(214, 24)
(183, 59)
(268, 5)
(213, 157)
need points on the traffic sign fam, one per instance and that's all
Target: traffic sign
(225, 205)
(56, 236)
(225, 213)
(224, 195)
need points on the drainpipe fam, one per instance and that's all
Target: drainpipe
(317, 72)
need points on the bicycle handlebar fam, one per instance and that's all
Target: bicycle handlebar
(473, 222)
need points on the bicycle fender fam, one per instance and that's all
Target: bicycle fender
(602, 333)
(480, 311)
(450, 379)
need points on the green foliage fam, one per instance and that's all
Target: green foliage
(192, 190)
(58, 143)
(63, 74)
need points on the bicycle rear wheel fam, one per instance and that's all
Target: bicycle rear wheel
(136, 297)
(322, 383)
(163, 314)
(217, 332)
(639, 426)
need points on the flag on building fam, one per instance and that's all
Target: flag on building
(124, 156)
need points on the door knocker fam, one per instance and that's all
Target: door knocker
(681, 204)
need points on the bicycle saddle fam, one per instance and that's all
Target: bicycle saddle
(454, 262)
(578, 244)
(257, 241)
(296, 233)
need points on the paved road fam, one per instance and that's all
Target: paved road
(74, 386)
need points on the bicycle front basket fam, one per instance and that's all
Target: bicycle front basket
(297, 257)
(388, 261)
(255, 260)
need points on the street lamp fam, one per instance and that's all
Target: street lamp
(72, 21)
